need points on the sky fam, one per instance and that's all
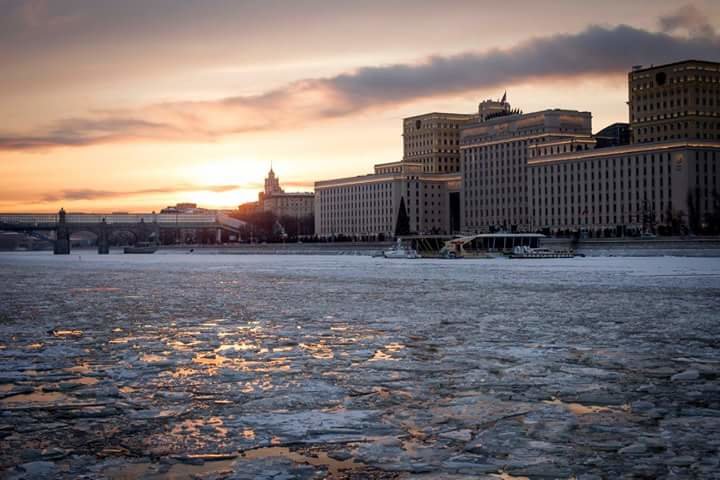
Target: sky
(134, 105)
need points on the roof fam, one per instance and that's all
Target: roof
(665, 65)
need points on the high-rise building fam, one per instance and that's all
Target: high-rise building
(433, 140)
(677, 101)
(495, 152)
(272, 185)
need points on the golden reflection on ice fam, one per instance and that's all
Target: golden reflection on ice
(152, 358)
(210, 360)
(82, 368)
(580, 409)
(507, 476)
(318, 350)
(195, 426)
(182, 346)
(317, 459)
(67, 333)
(184, 372)
(386, 352)
(241, 346)
(37, 396)
(256, 385)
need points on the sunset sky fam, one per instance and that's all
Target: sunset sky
(132, 105)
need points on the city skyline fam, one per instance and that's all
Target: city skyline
(103, 129)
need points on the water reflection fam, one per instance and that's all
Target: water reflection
(386, 353)
(67, 333)
(318, 350)
(241, 346)
(317, 459)
(580, 409)
(38, 396)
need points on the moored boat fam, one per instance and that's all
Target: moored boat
(401, 251)
(527, 252)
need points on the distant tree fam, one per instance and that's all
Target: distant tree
(713, 218)
(402, 227)
(693, 210)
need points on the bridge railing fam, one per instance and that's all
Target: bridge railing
(28, 219)
(124, 218)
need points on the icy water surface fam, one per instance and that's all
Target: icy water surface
(299, 367)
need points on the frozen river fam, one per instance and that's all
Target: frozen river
(279, 367)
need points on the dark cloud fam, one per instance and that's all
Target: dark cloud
(687, 18)
(78, 132)
(92, 194)
(595, 51)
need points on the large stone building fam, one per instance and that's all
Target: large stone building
(368, 206)
(433, 140)
(495, 152)
(678, 101)
(500, 169)
(546, 171)
(636, 187)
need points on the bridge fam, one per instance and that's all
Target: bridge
(143, 227)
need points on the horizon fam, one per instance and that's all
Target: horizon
(224, 89)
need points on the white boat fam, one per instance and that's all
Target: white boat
(401, 251)
(527, 252)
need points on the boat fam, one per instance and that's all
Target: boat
(400, 251)
(487, 245)
(141, 247)
(523, 251)
(453, 249)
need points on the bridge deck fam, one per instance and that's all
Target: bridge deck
(165, 220)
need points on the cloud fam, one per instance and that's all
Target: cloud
(92, 194)
(597, 50)
(687, 18)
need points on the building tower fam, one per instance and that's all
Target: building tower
(272, 184)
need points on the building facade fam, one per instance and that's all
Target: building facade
(501, 169)
(626, 187)
(295, 205)
(678, 101)
(433, 141)
(495, 153)
(368, 206)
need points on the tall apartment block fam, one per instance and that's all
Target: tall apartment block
(433, 140)
(495, 154)
(678, 101)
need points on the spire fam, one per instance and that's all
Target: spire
(271, 170)
(504, 99)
